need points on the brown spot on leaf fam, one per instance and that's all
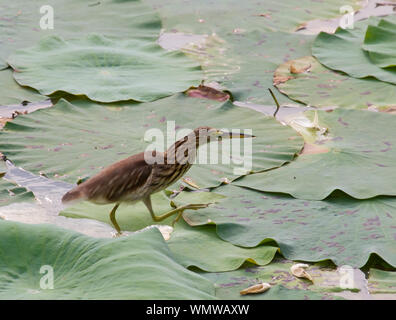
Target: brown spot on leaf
(205, 92)
(342, 122)
(265, 15)
(294, 69)
(107, 147)
(391, 110)
(278, 78)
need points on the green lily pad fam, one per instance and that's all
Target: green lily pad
(284, 285)
(318, 86)
(354, 149)
(20, 23)
(12, 93)
(341, 229)
(136, 267)
(94, 136)
(104, 69)
(246, 62)
(381, 281)
(342, 51)
(201, 247)
(380, 43)
(219, 16)
(191, 247)
(10, 193)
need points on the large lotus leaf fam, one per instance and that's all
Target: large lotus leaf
(357, 156)
(244, 63)
(315, 85)
(94, 136)
(20, 21)
(12, 93)
(342, 51)
(10, 193)
(342, 229)
(199, 247)
(380, 42)
(219, 16)
(284, 285)
(381, 281)
(136, 267)
(105, 69)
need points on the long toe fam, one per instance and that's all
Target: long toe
(198, 206)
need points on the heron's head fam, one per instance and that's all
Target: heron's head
(208, 134)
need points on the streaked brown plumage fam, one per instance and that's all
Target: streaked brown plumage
(134, 178)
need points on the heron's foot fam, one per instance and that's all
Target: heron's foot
(178, 211)
(191, 207)
(117, 234)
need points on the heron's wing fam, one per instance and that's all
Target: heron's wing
(115, 182)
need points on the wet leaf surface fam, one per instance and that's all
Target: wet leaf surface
(356, 149)
(342, 229)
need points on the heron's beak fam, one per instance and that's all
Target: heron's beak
(234, 135)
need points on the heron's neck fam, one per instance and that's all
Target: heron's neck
(183, 151)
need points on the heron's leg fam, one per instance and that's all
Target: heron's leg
(113, 219)
(177, 218)
(179, 210)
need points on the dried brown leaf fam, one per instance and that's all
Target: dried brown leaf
(257, 288)
(298, 270)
